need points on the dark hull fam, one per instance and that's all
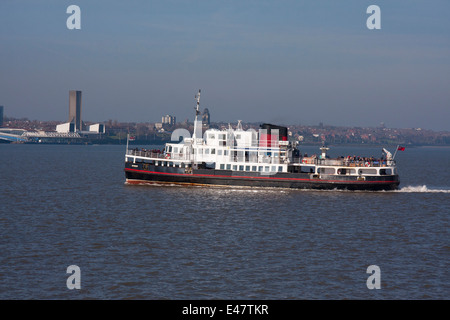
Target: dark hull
(136, 173)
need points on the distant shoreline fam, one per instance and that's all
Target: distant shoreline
(162, 143)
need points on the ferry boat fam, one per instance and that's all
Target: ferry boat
(250, 158)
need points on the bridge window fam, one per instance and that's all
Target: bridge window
(307, 169)
(326, 170)
(367, 171)
(384, 172)
(345, 171)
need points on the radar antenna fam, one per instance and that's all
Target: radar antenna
(197, 112)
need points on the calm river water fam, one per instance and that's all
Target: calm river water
(69, 205)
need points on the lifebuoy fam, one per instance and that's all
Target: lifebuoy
(367, 164)
(167, 156)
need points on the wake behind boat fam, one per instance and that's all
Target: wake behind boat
(264, 158)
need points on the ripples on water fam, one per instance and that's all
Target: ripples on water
(64, 205)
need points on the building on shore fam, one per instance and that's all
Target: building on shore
(75, 109)
(97, 128)
(76, 123)
(168, 119)
(206, 120)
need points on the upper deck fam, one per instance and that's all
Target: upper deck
(349, 162)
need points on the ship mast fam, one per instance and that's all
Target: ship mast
(197, 112)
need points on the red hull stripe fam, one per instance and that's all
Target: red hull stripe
(245, 177)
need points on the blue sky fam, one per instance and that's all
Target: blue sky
(287, 62)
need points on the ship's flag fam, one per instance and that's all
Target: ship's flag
(400, 148)
(132, 138)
